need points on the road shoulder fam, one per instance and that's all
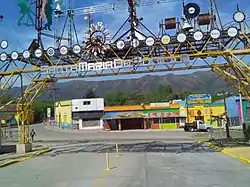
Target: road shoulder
(9, 159)
(241, 154)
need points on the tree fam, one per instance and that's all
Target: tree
(115, 97)
(164, 93)
(5, 98)
(182, 93)
(40, 110)
(90, 94)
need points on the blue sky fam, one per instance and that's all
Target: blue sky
(19, 37)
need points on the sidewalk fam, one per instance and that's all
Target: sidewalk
(11, 158)
(55, 128)
(240, 153)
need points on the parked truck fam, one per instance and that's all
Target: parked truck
(197, 125)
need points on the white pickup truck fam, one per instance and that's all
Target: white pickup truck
(197, 125)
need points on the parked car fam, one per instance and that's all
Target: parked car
(197, 125)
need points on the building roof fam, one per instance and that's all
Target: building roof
(9, 108)
(63, 103)
(124, 116)
(137, 107)
(206, 104)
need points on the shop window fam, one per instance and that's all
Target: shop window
(86, 102)
(164, 120)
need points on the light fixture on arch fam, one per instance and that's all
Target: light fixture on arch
(165, 39)
(135, 42)
(181, 37)
(120, 44)
(232, 31)
(77, 49)
(14, 55)
(3, 56)
(198, 35)
(26, 54)
(150, 41)
(239, 17)
(4, 44)
(51, 51)
(63, 50)
(215, 33)
(38, 53)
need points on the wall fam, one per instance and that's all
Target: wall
(90, 124)
(158, 122)
(231, 106)
(206, 111)
(245, 104)
(63, 109)
(79, 105)
(132, 113)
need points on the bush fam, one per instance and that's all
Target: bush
(246, 130)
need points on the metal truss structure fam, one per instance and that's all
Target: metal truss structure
(224, 50)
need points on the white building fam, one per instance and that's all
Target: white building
(87, 113)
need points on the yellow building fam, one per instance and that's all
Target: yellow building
(205, 112)
(63, 114)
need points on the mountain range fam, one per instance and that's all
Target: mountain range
(198, 82)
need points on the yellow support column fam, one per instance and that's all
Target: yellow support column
(107, 162)
(117, 151)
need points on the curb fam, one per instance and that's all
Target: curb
(239, 158)
(25, 157)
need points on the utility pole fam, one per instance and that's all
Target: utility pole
(187, 109)
(225, 106)
(241, 110)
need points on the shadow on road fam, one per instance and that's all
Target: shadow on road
(154, 146)
(7, 149)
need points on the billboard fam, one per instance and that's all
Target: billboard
(199, 98)
(159, 105)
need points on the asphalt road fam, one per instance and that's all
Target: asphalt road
(147, 159)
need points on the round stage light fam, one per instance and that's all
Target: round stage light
(135, 43)
(239, 17)
(191, 10)
(198, 35)
(51, 51)
(77, 49)
(38, 53)
(150, 41)
(165, 39)
(181, 37)
(3, 56)
(63, 50)
(4, 44)
(215, 33)
(26, 54)
(14, 55)
(232, 32)
(120, 44)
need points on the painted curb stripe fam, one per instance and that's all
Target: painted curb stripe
(239, 158)
(25, 157)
